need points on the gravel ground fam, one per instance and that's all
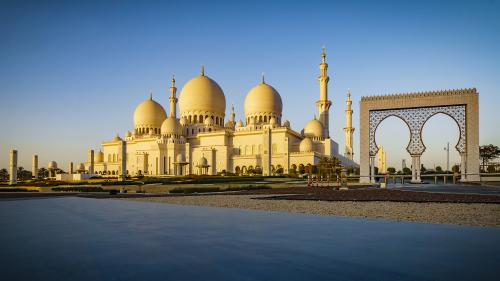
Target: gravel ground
(473, 214)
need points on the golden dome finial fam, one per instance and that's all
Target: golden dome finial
(323, 54)
(173, 80)
(150, 94)
(263, 78)
(348, 94)
(202, 70)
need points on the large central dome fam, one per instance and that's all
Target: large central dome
(262, 103)
(202, 96)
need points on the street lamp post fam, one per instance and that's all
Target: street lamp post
(447, 148)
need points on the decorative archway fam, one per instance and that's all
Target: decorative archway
(415, 109)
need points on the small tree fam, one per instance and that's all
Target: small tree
(422, 168)
(43, 173)
(391, 170)
(455, 169)
(22, 174)
(406, 171)
(488, 152)
(439, 169)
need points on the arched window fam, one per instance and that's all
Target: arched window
(195, 119)
(274, 148)
(201, 119)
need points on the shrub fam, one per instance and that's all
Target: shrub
(79, 189)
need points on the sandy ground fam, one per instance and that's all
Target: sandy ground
(449, 213)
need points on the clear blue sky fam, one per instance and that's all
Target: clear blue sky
(71, 73)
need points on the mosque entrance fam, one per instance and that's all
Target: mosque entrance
(415, 110)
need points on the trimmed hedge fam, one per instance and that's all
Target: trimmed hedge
(190, 190)
(17, 189)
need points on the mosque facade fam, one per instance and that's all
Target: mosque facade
(201, 140)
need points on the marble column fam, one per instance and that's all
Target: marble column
(124, 160)
(91, 161)
(34, 166)
(372, 169)
(415, 169)
(463, 166)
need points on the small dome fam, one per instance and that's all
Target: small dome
(172, 126)
(314, 129)
(117, 138)
(272, 121)
(81, 167)
(286, 124)
(183, 121)
(306, 145)
(149, 114)
(202, 94)
(52, 165)
(181, 158)
(128, 134)
(239, 124)
(229, 124)
(99, 157)
(263, 99)
(203, 161)
(209, 121)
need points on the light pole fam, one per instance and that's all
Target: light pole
(447, 148)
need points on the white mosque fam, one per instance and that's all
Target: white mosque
(201, 141)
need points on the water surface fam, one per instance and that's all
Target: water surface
(92, 239)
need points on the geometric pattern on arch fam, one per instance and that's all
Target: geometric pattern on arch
(415, 119)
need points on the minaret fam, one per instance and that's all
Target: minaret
(232, 115)
(323, 104)
(349, 130)
(173, 99)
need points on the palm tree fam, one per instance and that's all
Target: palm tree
(4, 175)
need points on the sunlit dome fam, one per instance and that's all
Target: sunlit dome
(306, 145)
(263, 101)
(171, 126)
(203, 161)
(52, 165)
(202, 95)
(149, 114)
(314, 128)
